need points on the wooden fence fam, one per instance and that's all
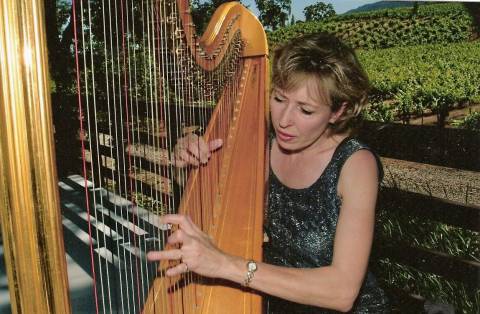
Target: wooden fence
(453, 148)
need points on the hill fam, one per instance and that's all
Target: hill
(428, 24)
(380, 5)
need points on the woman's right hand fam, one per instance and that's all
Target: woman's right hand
(194, 150)
(196, 251)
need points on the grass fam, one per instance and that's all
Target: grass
(398, 228)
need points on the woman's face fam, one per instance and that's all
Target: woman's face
(300, 117)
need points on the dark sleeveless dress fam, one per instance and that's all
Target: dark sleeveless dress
(300, 225)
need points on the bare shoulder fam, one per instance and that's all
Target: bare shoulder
(362, 161)
(360, 169)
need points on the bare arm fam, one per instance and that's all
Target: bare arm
(335, 286)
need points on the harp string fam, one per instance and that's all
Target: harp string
(94, 147)
(151, 84)
(106, 301)
(191, 98)
(158, 28)
(82, 139)
(119, 185)
(179, 73)
(119, 161)
(146, 119)
(126, 72)
(93, 129)
(196, 99)
(164, 103)
(145, 271)
(151, 98)
(132, 143)
(114, 103)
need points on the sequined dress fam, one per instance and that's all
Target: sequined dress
(300, 225)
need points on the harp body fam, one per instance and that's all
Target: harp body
(225, 198)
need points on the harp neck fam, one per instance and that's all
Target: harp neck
(228, 19)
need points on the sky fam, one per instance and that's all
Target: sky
(340, 6)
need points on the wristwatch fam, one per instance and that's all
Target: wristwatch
(251, 269)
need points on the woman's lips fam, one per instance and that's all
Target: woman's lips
(285, 137)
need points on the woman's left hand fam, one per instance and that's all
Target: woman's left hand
(197, 253)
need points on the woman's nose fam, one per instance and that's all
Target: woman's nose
(285, 117)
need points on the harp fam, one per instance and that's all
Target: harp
(219, 79)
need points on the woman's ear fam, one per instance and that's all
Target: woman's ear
(337, 114)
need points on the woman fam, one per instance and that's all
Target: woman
(323, 187)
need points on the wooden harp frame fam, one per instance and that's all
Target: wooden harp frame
(29, 199)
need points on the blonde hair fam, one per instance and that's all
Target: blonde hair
(334, 68)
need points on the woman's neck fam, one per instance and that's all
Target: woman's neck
(324, 143)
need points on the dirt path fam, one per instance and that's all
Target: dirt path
(455, 114)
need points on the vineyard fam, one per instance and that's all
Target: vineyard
(431, 24)
(420, 62)
(410, 81)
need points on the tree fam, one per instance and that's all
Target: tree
(318, 11)
(59, 31)
(274, 13)
(415, 9)
(202, 11)
(59, 34)
(292, 20)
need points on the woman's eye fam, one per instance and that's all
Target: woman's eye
(278, 99)
(307, 112)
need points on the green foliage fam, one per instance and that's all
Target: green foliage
(397, 228)
(202, 11)
(318, 11)
(379, 111)
(428, 77)
(470, 122)
(274, 13)
(148, 203)
(423, 10)
(63, 13)
(432, 287)
(440, 23)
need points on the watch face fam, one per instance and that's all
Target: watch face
(252, 266)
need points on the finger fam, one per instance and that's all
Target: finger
(176, 237)
(178, 161)
(184, 141)
(199, 149)
(179, 156)
(185, 223)
(182, 151)
(204, 151)
(213, 145)
(194, 151)
(174, 254)
(188, 158)
(177, 270)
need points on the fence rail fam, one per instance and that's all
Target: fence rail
(455, 148)
(448, 147)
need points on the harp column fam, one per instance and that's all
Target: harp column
(29, 202)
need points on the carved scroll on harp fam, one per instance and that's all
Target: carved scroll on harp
(155, 82)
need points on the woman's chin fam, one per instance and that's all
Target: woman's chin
(288, 146)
